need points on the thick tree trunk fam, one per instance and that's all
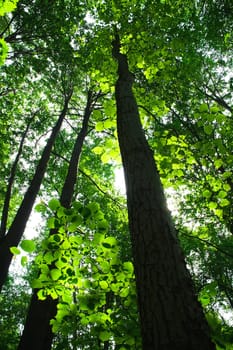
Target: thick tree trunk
(18, 225)
(170, 315)
(37, 334)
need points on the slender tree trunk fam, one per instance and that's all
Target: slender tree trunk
(18, 225)
(7, 199)
(37, 334)
(170, 315)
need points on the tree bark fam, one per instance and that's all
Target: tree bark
(170, 315)
(16, 230)
(37, 333)
(5, 210)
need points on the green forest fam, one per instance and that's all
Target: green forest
(90, 259)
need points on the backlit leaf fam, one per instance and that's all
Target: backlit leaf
(28, 245)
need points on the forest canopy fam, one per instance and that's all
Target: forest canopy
(88, 88)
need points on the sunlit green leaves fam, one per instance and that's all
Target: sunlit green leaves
(15, 250)
(28, 245)
(55, 274)
(7, 6)
(3, 50)
(54, 204)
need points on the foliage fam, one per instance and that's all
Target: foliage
(87, 276)
(181, 57)
(5, 6)
(13, 301)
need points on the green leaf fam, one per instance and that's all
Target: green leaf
(40, 207)
(42, 295)
(124, 292)
(224, 202)
(28, 245)
(24, 260)
(105, 336)
(108, 124)
(222, 194)
(7, 6)
(212, 205)
(36, 284)
(204, 107)
(55, 274)
(103, 225)
(103, 285)
(207, 194)
(128, 267)
(54, 204)
(109, 242)
(218, 163)
(98, 150)
(51, 223)
(208, 129)
(15, 250)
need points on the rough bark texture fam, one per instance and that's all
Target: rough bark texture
(18, 225)
(170, 315)
(37, 333)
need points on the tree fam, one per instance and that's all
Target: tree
(37, 332)
(153, 234)
(172, 54)
(16, 230)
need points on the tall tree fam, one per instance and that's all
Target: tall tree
(16, 230)
(170, 315)
(175, 51)
(37, 332)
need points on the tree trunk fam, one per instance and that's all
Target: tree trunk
(18, 225)
(170, 315)
(37, 334)
(5, 210)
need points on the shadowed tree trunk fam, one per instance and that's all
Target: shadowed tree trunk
(37, 334)
(5, 210)
(170, 315)
(16, 230)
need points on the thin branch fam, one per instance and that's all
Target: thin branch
(151, 114)
(8, 25)
(121, 206)
(209, 243)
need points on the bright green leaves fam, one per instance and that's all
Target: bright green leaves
(108, 151)
(15, 250)
(109, 242)
(3, 51)
(103, 125)
(54, 204)
(208, 293)
(41, 207)
(84, 260)
(28, 245)
(55, 274)
(7, 6)
(103, 285)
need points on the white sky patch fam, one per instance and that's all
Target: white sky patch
(120, 181)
